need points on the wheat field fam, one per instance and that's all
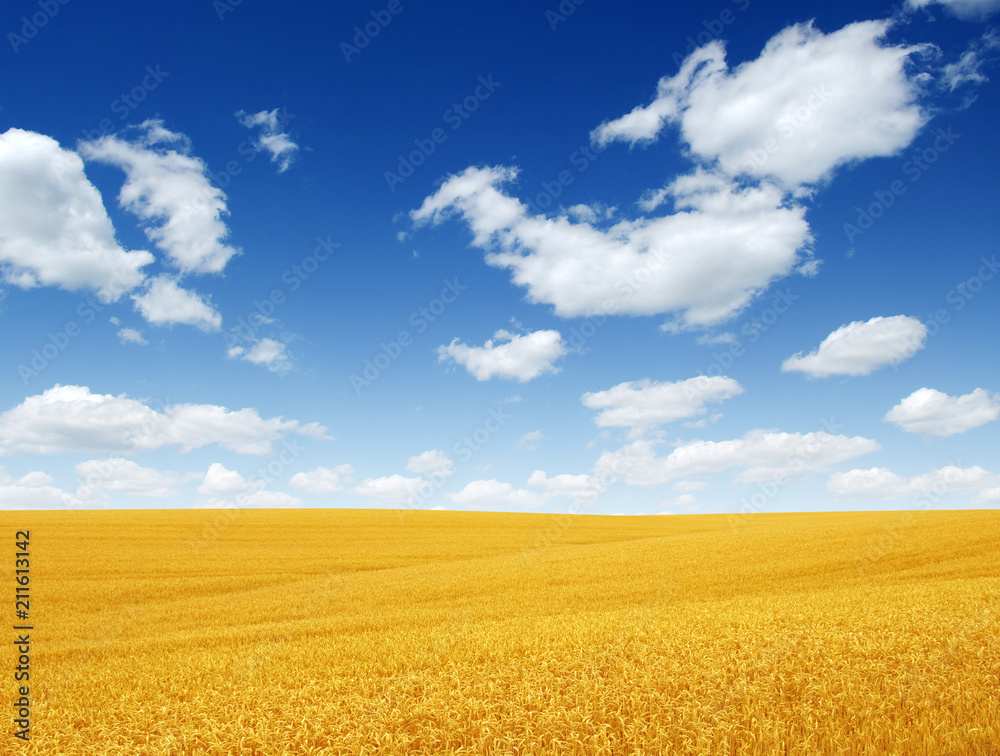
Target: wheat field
(368, 632)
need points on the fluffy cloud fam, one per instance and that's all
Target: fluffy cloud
(860, 347)
(583, 489)
(809, 103)
(125, 476)
(269, 500)
(646, 403)
(724, 244)
(131, 336)
(270, 353)
(169, 190)
(882, 484)
(54, 229)
(484, 494)
(934, 413)
(508, 355)
(760, 455)
(271, 137)
(966, 9)
(33, 491)
(220, 481)
(323, 480)
(431, 462)
(165, 303)
(71, 418)
(394, 489)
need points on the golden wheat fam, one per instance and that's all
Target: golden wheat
(346, 632)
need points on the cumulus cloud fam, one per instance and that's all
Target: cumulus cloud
(268, 353)
(970, 10)
(724, 244)
(934, 413)
(169, 190)
(583, 489)
(54, 228)
(163, 302)
(645, 403)
(394, 489)
(431, 462)
(809, 103)
(485, 494)
(131, 336)
(220, 481)
(323, 480)
(72, 418)
(883, 484)
(759, 456)
(127, 477)
(861, 347)
(271, 136)
(508, 355)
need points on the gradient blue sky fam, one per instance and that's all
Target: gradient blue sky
(589, 257)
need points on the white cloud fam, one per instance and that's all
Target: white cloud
(760, 455)
(170, 192)
(220, 481)
(323, 480)
(989, 496)
(583, 489)
(684, 501)
(131, 336)
(127, 477)
(723, 245)
(20, 497)
(54, 229)
(508, 355)
(527, 441)
(271, 137)
(883, 484)
(492, 493)
(166, 303)
(394, 489)
(860, 347)
(966, 9)
(269, 500)
(270, 353)
(71, 418)
(646, 403)
(432, 463)
(934, 413)
(809, 103)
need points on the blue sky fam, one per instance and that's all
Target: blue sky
(605, 258)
